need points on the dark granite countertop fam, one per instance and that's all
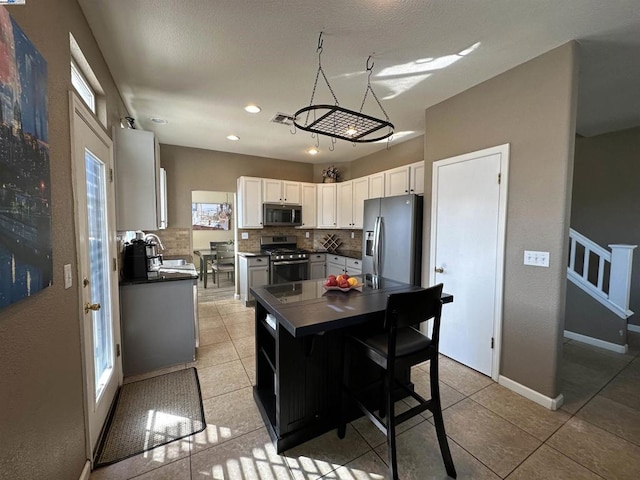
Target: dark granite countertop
(165, 275)
(306, 308)
(252, 254)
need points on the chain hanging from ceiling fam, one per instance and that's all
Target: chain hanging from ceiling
(338, 122)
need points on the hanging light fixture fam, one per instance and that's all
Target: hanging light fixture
(338, 122)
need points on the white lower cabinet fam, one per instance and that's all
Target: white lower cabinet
(254, 271)
(317, 266)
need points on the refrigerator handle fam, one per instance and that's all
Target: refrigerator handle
(376, 245)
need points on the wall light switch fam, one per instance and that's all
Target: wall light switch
(536, 259)
(245, 235)
(68, 278)
(306, 234)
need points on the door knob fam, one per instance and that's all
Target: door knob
(439, 270)
(91, 306)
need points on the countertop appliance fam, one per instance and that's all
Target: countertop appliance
(141, 259)
(276, 215)
(287, 262)
(392, 238)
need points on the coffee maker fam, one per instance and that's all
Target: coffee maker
(142, 259)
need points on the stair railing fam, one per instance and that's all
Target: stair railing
(612, 286)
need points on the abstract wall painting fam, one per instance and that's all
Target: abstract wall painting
(25, 187)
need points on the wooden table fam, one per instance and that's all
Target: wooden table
(299, 356)
(205, 257)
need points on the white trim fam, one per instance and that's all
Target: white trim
(597, 294)
(633, 328)
(537, 397)
(503, 151)
(86, 471)
(596, 342)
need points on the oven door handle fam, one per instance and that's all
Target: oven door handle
(292, 262)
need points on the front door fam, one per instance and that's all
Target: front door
(467, 254)
(94, 200)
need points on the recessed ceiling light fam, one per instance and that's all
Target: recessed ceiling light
(313, 151)
(234, 138)
(253, 109)
(159, 121)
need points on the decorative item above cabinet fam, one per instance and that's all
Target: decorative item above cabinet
(137, 180)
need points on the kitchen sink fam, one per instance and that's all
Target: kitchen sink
(174, 263)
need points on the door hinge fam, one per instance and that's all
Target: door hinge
(492, 342)
(114, 261)
(117, 349)
(111, 175)
(499, 178)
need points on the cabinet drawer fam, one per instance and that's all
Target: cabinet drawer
(337, 259)
(257, 261)
(317, 257)
(353, 264)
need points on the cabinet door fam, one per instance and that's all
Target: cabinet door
(327, 205)
(249, 202)
(271, 190)
(334, 269)
(396, 181)
(164, 215)
(137, 169)
(417, 178)
(258, 276)
(376, 185)
(360, 194)
(353, 266)
(345, 204)
(291, 192)
(309, 212)
(317, 270)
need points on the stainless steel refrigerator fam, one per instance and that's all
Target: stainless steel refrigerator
(392, 238)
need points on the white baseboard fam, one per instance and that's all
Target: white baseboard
(614, 347)
(526, 392)
(236, 296)
(86, 471)
(633, 328)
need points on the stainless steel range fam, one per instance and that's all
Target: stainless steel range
(287, 262)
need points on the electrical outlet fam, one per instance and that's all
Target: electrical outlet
(306, 234)
(68, 278)
(353, 234)
(245, 235)
(536, 259)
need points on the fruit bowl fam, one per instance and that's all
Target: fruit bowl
(346, 289)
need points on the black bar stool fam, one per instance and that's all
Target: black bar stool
(398, 347)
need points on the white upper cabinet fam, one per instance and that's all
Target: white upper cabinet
(396, 181)
(281, 191)
(351, 196)
(416, 176)
(309, 201)
(164, 214)
(327, 205)
(376, 185)
(137, 178)
(249, 202)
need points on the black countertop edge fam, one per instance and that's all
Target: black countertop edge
(355, 254)
(162, 277)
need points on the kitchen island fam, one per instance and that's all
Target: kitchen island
(299, 338)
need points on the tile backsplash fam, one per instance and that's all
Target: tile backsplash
(314, 242)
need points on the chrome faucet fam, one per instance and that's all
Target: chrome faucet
(154, 237)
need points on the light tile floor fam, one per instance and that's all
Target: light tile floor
(493, 432)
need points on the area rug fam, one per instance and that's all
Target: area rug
(150, 413)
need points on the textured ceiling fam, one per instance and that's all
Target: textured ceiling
(196, 63)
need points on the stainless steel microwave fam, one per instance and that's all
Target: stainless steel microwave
(275, 215)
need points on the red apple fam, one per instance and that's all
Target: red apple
(345, 276)
(343, 284)
(331, 277)
(332, 282)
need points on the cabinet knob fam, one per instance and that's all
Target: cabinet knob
(406, 191)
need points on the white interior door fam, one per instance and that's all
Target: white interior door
(467, 254)
(94, 200)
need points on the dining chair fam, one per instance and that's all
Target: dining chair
(225, 261)
(395, 348)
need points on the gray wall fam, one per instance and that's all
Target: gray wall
(190, 169)
(41, 400)
(606, 204)
(531, 107)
